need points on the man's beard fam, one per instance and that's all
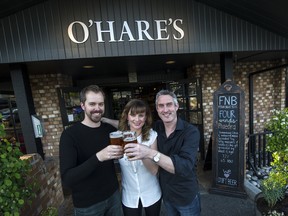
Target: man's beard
(94, 118)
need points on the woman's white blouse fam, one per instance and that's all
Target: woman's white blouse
(137, 180)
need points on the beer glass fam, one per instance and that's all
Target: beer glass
(116, 138)
(129, 137)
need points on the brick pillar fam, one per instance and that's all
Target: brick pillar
(46, 103)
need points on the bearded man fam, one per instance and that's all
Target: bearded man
(86, 159)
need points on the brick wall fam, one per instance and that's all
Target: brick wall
(46, 173)
(269, 94)
(211, 80)
(46, 103)
(49, 190)
(269, 91)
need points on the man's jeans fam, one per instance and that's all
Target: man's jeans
(109, 207)
(192, 209)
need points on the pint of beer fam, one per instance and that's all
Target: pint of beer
(128, 140)
(116, 138)
(129, 137)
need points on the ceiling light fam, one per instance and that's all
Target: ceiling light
(88, 66)
(170, 62)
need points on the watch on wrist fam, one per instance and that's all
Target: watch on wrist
(156, 158)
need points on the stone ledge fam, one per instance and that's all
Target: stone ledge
(251, 190)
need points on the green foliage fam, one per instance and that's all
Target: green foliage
(2, 131)
(277, 143)
(273, 188)
(50, 211)
(13, 190)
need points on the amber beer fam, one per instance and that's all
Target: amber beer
(129, 137)
(116, 138)
(128, 140)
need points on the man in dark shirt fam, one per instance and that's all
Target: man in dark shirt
(86, 160)
(178, 143)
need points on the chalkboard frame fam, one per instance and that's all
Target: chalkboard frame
(223, 168)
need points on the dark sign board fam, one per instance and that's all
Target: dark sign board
(229, 138)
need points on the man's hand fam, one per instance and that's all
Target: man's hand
(111, 152)
(136, 151)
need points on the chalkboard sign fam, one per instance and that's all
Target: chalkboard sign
(228, 146)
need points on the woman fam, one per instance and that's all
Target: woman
(140, 186)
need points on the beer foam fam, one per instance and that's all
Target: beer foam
(116, 134)
(128, 139)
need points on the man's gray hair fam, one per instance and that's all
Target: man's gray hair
(166, 92)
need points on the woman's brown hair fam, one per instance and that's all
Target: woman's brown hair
(136, 106)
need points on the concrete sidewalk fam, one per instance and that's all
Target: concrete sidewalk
(220, 205)
(211, 204)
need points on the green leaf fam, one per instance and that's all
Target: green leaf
(8, 182)
(17, 176)
(21, 201)
(9, 148)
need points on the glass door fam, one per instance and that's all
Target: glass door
(70, 108)
(120, 98)
(189, 96)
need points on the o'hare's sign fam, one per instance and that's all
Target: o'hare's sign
(229, 139)
(164, 30)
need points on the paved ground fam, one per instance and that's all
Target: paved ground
(212, 204)
(220, 205)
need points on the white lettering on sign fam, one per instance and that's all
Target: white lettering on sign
(227, 101)
(85, 30)
(143, 31)
(100, 31)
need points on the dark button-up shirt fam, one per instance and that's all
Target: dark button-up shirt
(182, 147)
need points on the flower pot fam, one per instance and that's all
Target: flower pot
(261, 206)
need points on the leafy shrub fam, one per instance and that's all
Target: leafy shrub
(273, 188)
(277, 142)
(13, 189)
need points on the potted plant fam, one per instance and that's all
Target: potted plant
(14, 192)
(273, 200)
